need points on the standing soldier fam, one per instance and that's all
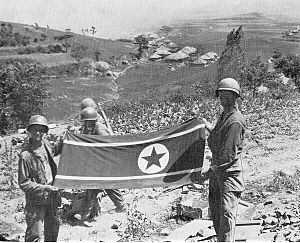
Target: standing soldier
(226, 141)
(93, 124)
(36, 174)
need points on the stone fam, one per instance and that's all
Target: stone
(165, 232)
(279, 237)
(268, 202)
(270, 221)
(116, 224)
(172, 220)
(195, 208)
(286, 221)
(294, 220)
(9, 231)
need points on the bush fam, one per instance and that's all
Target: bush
(22, 94)
(139, 227)
(9, 38)
(27, 50)
(289, 65)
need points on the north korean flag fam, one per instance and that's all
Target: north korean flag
(164, 158)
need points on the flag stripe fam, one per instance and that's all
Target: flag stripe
(84, 144)
(65, 177)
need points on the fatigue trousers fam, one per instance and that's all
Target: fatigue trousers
(42, 223)
(223, 206)
(92, 202)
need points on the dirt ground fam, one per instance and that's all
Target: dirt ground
(260, 159)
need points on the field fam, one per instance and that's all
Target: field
(270, 159)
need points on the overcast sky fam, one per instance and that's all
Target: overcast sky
(119, 18)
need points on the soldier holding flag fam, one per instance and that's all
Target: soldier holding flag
(226, 141)
(94, 124)
(36, 174)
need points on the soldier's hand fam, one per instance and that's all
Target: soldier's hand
(50, 188)
(205, 174)
(208, 125)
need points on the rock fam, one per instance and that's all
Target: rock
(286, 232)
(22, 131)
(294, 220)
(270, 221)
(286, 221)
(268, 202)
(279, 237)
(116, 224)
(172, 221)
(165, 232)
(10, 231)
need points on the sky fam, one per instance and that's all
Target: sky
(124, 18)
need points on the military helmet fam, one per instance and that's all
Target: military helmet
(38, 120)
(229, 84)
(88, 114)
(88, 102)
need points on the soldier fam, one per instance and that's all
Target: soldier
(93, 125)
(36, 174)
(226, 141)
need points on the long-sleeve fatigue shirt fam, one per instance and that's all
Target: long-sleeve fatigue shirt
(32, 175)
(226, 142)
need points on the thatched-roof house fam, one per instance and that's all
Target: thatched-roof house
(163, 53)
(189, 50)
(199, 61)
(154, 57)
(178, 56)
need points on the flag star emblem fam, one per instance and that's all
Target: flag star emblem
(153, 158)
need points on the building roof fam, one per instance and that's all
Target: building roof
(177, 56)
(199, 61)
(189, 50)
(155, 56)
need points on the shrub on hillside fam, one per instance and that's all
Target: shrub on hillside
(22, 94)
(289, 65)
(26, 50)
(41, 49)
(10, 38)
(257, 74)
(204, 89)
(78, 51)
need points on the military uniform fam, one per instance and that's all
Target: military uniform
(37, 169)
(226, 182)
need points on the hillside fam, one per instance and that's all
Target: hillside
(45, 36)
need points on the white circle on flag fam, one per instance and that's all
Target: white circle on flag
(153, 158)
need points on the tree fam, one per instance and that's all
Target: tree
(64, 39)
(289, 65)
(233, 62)
(143, 44)
(277, 54)
(84, 31)
(257, 74)
(93, 30)
(78, 52)
(22, 94)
